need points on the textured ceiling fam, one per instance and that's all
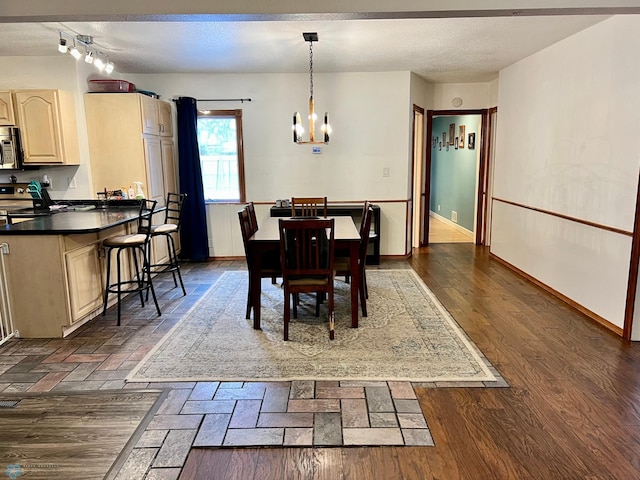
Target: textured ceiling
(438, 49)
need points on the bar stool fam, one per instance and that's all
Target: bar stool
(138, 245)
(173, 215)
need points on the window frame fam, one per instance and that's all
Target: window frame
(237, 114)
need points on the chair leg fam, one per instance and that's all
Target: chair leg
(296, 300)
(118, 279)
(287, 313)
(146, 268)
(248, 313)
(106, 290)
(331, 316)
(175, 263)
(139, 277)
(318, 302)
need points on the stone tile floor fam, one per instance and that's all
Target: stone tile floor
(100, 355)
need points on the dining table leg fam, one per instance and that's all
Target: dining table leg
(355, 281)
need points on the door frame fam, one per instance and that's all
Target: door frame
(483, 170)
(416, 206)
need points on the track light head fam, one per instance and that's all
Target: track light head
(62, 46)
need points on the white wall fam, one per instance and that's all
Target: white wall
(370, 114)
(568, 119)
(473, 95)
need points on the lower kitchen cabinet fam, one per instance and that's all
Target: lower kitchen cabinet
(56, 282)
(84, 280)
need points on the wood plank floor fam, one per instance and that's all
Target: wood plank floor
(572, 411)
(70, 435)
(442, 232)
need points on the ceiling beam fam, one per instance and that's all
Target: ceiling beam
(224, 10)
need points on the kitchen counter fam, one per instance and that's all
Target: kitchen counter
(73, 222)
(55, 265)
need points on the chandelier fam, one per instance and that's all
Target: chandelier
(298, 129)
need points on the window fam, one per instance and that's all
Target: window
(221, 155)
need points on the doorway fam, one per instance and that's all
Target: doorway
(456, 176)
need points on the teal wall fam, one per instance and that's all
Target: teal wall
(453, 172)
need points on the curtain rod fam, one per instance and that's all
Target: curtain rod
(241, 100)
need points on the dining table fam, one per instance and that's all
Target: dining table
(267, 240)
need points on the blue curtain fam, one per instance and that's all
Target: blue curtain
(193, 228)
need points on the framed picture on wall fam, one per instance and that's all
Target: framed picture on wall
(472, 141)
(461, 130)
(455, 143)
(452, 133)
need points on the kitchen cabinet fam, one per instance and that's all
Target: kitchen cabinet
(7, 116)
(47, 121)
(84, 280)
(120, 148)
(65, 281)
(123, 151)
(156, 117)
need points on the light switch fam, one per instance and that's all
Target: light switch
(317, 150)
(385, 172)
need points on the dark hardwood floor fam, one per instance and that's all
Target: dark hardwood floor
(572, 410)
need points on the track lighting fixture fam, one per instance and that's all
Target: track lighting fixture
(92, 54)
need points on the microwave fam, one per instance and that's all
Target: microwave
(10, 148)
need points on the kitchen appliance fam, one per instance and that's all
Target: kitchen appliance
(10, 148)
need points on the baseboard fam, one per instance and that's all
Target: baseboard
(395, 257)
(457, 226)
(227, 259)
(572, 303)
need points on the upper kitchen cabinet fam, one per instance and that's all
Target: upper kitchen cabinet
(6, 109)
(47, 121)
(156, 117)
(121, 148)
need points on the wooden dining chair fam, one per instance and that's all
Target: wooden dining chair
(342, 265)
(306, 257)
(308, 206)
(270, 263)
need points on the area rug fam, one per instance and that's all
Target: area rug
(407, 336)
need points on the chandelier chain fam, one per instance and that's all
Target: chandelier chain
(311, 69)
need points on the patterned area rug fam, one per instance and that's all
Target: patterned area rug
(407, 336)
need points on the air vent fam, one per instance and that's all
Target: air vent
(9, 403)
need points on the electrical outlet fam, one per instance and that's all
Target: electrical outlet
(385, 172)
(438, 207)
(72, 182)
(454, 216)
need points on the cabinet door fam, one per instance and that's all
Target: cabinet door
(155, 176)
(169, 167)
(40, 126)
(150, 115)
(6, 109)
(165, 119)
(84, 281)
(47, 121)
(159, 248)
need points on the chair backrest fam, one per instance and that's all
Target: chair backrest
(308, 206)
(145, 218)
(306, 247)
(246, 227)
(252, 216)
(365, 229)
(173, 213)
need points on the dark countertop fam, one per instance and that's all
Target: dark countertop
(74, 222)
